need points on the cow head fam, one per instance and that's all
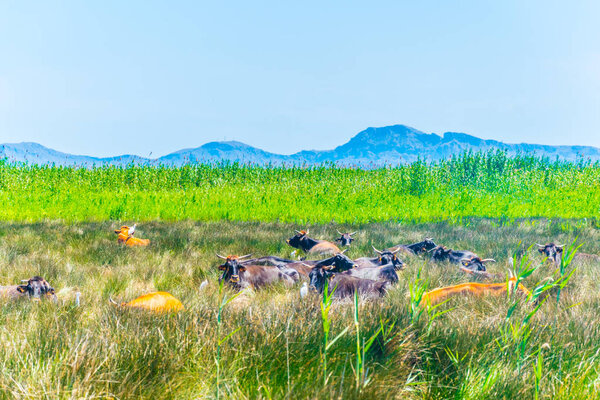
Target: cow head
(551, 251)
(125, 232)
(231, 268)
(475, 264)
(317, 277)
(345, 239)
(426, 245)
(37, 288)
(297, 240)
(338, 263)
(386, 257)
(440, 253)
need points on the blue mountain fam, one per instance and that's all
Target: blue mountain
(389, 145)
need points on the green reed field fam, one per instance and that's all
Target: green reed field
(484, 185)
(478, 348)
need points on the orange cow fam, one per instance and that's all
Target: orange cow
(476, 289)
(125, 235)
(155, 301)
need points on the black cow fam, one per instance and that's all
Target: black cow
(345, 239)
(311, 246)
(415, 248)
(341, 263)
(442, 253)
(344, 285)
(384, 257)
(554, 253)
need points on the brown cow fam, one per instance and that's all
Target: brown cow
(35, 288)
(344, 285)
(241, 275)
(125, 235)
(554, 253)
(311, 246)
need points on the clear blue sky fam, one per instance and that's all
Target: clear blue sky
(113, 77)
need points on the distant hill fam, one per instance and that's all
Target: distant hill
(389, 145)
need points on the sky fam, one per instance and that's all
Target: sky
(139, 77)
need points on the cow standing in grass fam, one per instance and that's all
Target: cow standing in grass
(125, 235)
(241, 275)
(302, 241)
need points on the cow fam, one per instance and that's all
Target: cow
(476, 289)
(554, 252)
(415, 248)
(442, 253)
(155, 301)
(241, 275)
(384, 257)
(345, 239)
(36, 288)
(475, 264)
(125, 235)
(343, 264)
(344, 285)
(311, 246)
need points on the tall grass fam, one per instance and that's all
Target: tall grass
(489, 185)
(99, 351)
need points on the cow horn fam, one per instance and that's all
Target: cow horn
(540, 245)
(220, 256)
(428, 238)
(247, 255)
(306, 265)
(298, 232)
(343, 251)
(307, 230)
(132, 230)
(488, 260)
(376, 251)
(112, 301)
(397, 250)
(24, 280)
(340, 233)
(560, 245)
(353, 233)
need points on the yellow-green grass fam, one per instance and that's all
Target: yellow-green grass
(473, 185)
(99, 351)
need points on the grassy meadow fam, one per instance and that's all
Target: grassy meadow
(269, 343)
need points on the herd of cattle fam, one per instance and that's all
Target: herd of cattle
(367, 276)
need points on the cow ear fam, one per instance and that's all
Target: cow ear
(222, 267)
(21, 288)
(559, 249)
(117, 231)
(541, 250)
(242, 268)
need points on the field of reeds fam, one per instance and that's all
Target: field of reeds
(488, 185)
(271, 343)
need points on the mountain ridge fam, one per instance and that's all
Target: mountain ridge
(388, 145)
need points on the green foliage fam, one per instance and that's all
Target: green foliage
(490, 185)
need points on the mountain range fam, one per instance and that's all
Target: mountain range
(389, 145)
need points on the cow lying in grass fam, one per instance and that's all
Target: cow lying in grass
(473, 289)
(342, 264)
(419, 248)
(155, 301)
(125, 235)
(36, 288)
(302, 241)
(345, 239)
(344, 285)
(554, 252)
(442, 253)
(384, 257)
(240, 275)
